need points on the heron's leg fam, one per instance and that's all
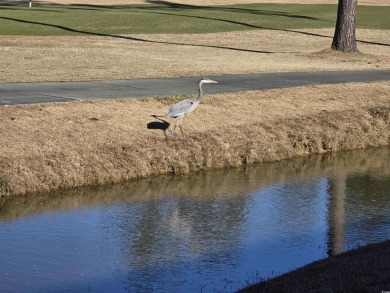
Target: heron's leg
(176, 124)
(166, 136)
(181, 129)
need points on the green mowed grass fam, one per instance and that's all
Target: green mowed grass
(174, 18)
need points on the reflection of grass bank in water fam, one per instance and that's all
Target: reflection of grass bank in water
(204, 185)
(54, 146)
(361, 270)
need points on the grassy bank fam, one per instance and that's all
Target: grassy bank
(52, 146)
(361, 270)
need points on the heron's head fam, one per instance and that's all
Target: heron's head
(206, 80)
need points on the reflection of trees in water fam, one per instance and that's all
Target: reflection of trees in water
(200, 220)
(160, 231)
(358, 205)
(337, 215)
(368, 206)
(202, 211)
(298, 206)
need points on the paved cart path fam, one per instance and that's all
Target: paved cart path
(29, 93)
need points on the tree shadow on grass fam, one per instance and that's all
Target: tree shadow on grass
(175, 6)
(259, 12)
(132, 38)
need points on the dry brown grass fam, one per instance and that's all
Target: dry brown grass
(50, 146)
(36, 59)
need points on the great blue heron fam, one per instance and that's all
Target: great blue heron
(183, 108)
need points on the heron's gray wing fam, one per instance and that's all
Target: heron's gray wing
(180, 109)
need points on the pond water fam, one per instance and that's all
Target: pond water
(209, 232)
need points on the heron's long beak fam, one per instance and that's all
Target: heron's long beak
(213, 81)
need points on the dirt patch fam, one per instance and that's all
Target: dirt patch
(36, 59)
(50, 146)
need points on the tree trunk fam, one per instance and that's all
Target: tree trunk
(344, 38)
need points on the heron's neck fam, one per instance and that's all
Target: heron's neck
(200, 96)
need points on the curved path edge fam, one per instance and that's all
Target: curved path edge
(30, 93)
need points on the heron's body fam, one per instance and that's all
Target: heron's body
(183, 108)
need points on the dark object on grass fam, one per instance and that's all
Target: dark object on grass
(160, 125)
